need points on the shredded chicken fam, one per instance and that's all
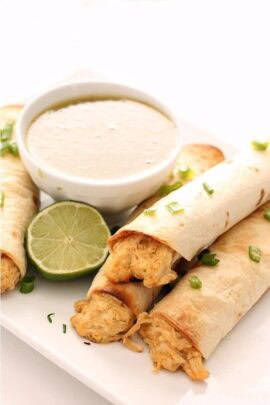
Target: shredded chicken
(102, 319)
(10, 274)
(169, 349)
(142, 257)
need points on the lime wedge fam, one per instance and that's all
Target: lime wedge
(67, 240)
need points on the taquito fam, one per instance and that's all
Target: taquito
(189, 219)
(111, 309)
(19, 202)
(188, 324)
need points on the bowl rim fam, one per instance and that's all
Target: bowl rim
(60, 175)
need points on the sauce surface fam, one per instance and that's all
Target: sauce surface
(102, 139)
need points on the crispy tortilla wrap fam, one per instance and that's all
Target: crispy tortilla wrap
(188, 324)
(189, 219)
(19, 204)
(111, 309)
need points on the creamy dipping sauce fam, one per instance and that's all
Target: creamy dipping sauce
(102, 139)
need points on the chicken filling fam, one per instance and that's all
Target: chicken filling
(169, 349)
(141, 257)
(102, 319)
(10, 274)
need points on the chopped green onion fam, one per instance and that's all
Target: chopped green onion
(186, 173)
(27, 284)
(175, 208)
(195, 282)
(255, 254)
(149, 212)
(200, 255)
(209, 259)
(6, 131)
(267, 214)
(260, 145)
(49, 317)
(114, 229)
(4, 148)
(13, 148)
(2, 199)
(64, 328)
(208, 189)
(168, 188)
(9, 147)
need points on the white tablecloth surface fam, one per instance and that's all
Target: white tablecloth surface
(208, 58)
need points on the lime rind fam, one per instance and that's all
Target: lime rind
(84, 254)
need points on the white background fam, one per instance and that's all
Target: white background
(210, 59)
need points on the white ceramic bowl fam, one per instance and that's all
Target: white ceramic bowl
(109, 196)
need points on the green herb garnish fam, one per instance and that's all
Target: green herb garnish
(64, 328)
(267, 214)
(174, 208)
(195, 282)
(260, 145)
(208, 189)
(186, 173)
(13, 148)
(168, 188)
(149, 212)
(27, 284)
(9, 147)
(6, 131)
(49, 317)
(4, 148)
(209, 259)
(2, 199)
(255, 254)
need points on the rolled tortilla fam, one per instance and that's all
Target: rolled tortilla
(20, 203)
(188, 324)
(239, 186)
(111, 309)
(196, 158)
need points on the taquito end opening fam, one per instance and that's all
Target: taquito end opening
(170, 349)
(142, 257)
(102, 319)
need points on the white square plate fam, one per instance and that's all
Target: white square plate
(239, 368)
